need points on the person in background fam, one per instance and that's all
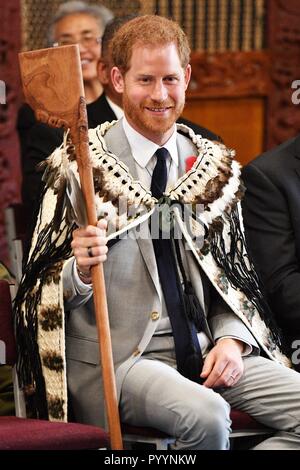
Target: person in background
(187, 320)
(271, 209)
(74, 23)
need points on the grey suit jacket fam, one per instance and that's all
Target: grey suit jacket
(134, 305)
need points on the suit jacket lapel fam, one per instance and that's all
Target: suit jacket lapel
(118, 144)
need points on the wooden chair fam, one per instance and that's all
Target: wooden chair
(20, 433)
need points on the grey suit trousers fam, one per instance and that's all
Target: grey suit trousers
(155, 394)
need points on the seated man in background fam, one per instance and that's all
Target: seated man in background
(271, 209)
(188, 321)
(74, 23)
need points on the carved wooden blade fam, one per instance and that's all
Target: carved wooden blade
(52, 84)
(53, 87)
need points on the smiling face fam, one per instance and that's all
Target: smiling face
(82, 29)
(153, 90)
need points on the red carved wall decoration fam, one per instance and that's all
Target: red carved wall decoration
(10, 38)
(283, 117)
(229, 74)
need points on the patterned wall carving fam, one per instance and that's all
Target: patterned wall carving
(229, 74)
(9, 151)
(211, 25)
(284, 42)
(216, 25)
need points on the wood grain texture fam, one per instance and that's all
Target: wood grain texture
(239, 121)
(55, 103)
(230, 74)
(228, 94)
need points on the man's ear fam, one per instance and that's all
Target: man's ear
(102, 72)
(187, 75)
(117, 80)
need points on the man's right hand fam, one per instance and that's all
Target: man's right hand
(89, 247)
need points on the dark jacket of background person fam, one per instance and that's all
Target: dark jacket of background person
(271, 210)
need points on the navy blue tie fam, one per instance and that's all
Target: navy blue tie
(188, 354)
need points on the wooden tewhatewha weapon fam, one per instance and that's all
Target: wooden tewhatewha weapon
(53, 87)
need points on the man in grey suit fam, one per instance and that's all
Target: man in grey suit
(152, 74)
(179, 380)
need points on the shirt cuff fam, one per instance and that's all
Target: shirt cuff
(81, 287)
(248, 348)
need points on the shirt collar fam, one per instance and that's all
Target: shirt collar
(143, 149)
(116, 109)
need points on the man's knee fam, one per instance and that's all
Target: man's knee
(206, 423)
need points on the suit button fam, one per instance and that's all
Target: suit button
(154, 316)
(136, 352)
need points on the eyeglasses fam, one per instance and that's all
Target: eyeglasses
(86, 41)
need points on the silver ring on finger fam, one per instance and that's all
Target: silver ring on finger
(90, 251)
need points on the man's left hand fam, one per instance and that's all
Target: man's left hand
(223, 366)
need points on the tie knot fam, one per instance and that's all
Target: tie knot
(159, 175)
(162, 153)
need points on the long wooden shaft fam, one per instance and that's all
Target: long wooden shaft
(101, 312)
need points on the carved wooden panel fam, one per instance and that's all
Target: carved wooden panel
(229, 74)
(284, 42)
(215, 25)
(9, 150)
